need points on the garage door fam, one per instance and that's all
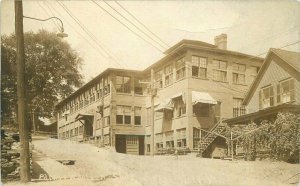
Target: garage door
(132, 145)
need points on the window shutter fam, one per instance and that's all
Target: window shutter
(278, 94)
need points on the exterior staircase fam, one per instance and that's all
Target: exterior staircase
(211, 135)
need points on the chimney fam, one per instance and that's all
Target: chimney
(221, 41)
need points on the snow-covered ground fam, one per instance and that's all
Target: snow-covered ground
(98, 166)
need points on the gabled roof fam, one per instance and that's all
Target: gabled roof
(288, 60)
(292, 58)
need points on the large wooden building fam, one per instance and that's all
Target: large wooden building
(184, 94)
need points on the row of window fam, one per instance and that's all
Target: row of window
(123, 85)
(124, 113)
(199, 69)
(181, 139)
(72, 132)
(94, 93)
(199, 110)
(285, 93)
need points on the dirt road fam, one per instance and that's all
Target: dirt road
(95, 166)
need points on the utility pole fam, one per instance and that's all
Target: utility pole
(153, 94)
(23, 128)
(33, 122)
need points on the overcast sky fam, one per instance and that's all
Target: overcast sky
(252, 27)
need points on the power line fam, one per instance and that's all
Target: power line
(88, 32)
(264, 39)
(76, 30)
(55, 23)
(134, 24)
(82, 27)
(126, 26)
(290, 44)
(142, 24)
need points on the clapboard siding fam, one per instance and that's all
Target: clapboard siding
(272, 76)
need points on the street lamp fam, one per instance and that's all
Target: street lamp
(61, 29)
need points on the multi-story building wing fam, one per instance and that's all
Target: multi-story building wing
(197, 84)
(112, 103)
(185, 94)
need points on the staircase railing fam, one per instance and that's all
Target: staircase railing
(211, 135)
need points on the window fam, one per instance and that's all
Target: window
(81, 130)
(220, 70)
(137, 115)
(71, 106)
(138, 87)
(285, 91)
(180, 69)
(266, 97)
(123, 115)
(169, 139)
(106, 86)
(66, 116)
(86, 98)
(158, 79)
(76, 131)
(81, 101)
(238, 108)
(123, 84)
(196, 137)
(180, 107)
(238, 76)
(148, 139)
(199, 67)
(106, 116)
(201, 110)
(92, 94)
(71, 132)
(158, 140)
(181, 137)
(253, 73)
(168, 75)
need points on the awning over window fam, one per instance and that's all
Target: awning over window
(202, 97)
(166, 105)
(84, 116)
(176, 95)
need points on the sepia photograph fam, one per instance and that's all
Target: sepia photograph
(150, 92)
